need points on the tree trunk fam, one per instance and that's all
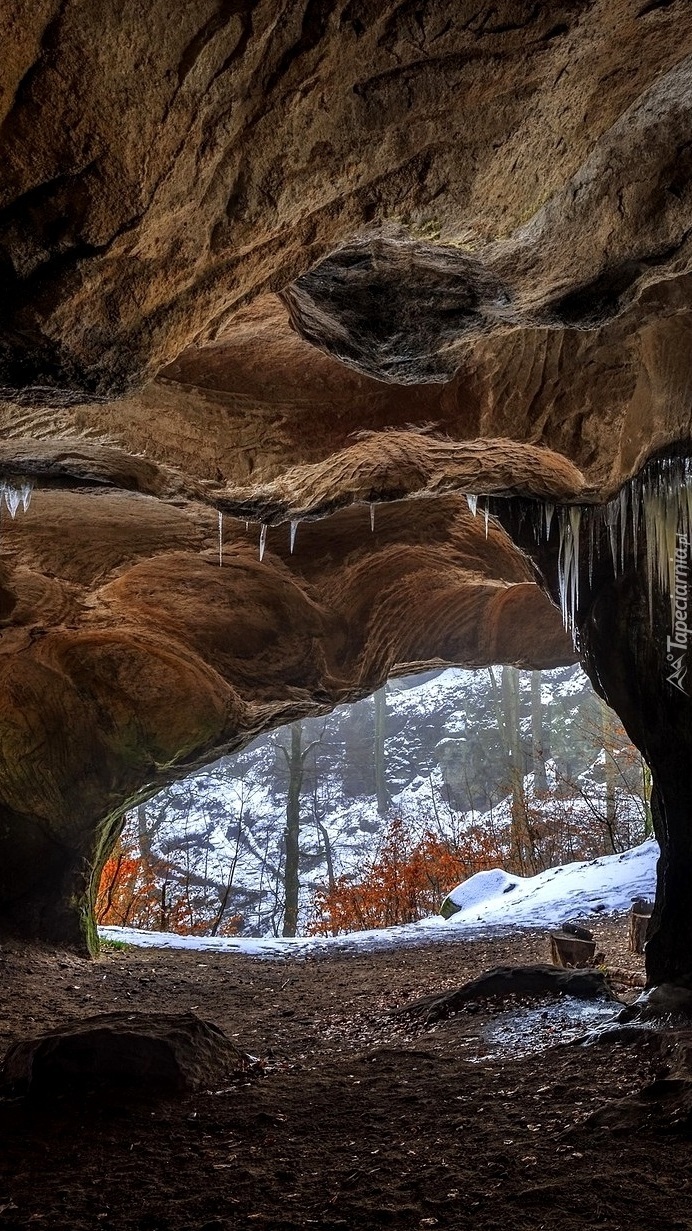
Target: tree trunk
(522, 851)
(538, 746)
(571, 951)
(328, 855)
(610, 777)
(381, 790)
(640, 918)
(295, 763)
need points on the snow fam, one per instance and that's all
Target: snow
(486, 905)
(482, 888)
(573, 890)
(229, 819)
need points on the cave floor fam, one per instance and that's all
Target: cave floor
(358, 1121)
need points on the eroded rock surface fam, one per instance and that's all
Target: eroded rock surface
(128, 1053)
(319, 267)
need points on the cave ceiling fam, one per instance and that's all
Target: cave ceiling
(306, 275)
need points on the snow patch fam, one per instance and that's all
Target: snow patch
(484, 905)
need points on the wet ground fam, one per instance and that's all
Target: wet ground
(526, 1030)
(361, 1120)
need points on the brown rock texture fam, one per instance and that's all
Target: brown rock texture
(140, 1054)
(282, 261)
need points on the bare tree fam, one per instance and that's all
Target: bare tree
(296, 757)
(507, 710)
(538, 740)
(381, 788)
(610, 773)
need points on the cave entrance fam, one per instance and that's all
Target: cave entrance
(368, 817)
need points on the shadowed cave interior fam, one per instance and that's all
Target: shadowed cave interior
(439, 344)
(338, 341)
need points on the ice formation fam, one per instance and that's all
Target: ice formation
(293, 532)
(15, 494)
(654, 510)
(472, 502)
(262, 541)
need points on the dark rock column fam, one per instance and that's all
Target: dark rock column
(625, 652)
(48, 886)
(637, 658)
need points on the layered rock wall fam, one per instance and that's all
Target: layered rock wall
(307, 262)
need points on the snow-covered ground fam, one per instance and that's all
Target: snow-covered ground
(489, 902)
(226, 823)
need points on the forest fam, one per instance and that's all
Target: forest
(369, 816)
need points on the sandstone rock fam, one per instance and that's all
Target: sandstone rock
(136, 1053)
(362, 254)
(505, 981)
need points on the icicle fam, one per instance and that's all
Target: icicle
(575, 527)
(635, 505)
(220, 538)
(561, 565)
(622, 514)
(12, 499)
(262, 541)
(487, 516)
(292, 535)
(372, 518)
(247, 526)
(472, 502)
(612, 527)
(591, 516)
(549, 511)
(568, 566)
(27, 489)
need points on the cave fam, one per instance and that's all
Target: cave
(338, 341)
(249, 414)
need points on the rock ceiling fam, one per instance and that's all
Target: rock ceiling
(324, 262)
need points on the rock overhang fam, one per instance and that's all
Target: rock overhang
(355, 264)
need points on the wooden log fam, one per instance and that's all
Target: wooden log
(571, 951)
(640, 917)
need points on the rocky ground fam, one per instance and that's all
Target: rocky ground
(358, 1119)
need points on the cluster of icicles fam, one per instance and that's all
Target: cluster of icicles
(13, 495)
(292, 532)
(652, 510)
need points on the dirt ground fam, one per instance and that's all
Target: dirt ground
(359, 1121)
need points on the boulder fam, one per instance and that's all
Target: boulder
(144, 1053)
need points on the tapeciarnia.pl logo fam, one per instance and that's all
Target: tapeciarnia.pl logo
(676, 646)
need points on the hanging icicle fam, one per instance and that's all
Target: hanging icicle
(13, 498)
(12, 495)
(654, 509)
(262, 541)
(487, 516)
(372, 518)
(292, 535)
(472, 502)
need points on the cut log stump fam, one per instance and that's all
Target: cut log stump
(640, 917)
(572, 951)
